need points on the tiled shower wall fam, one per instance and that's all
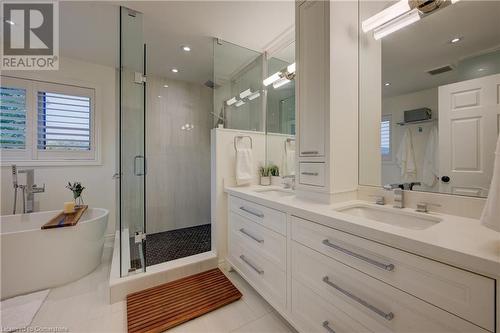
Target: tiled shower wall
(178, 160)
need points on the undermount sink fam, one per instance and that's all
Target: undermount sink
(392, 216)
(276, 192)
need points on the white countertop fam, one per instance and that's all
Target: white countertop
(458, 241)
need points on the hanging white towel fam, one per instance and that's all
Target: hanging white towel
(491, 211)
(405, 157)
(244, 166)
(288, 166)
(430, 172)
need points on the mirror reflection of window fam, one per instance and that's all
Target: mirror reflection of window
(437, 75)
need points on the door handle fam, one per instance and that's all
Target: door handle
(445, 179)
(136, 158)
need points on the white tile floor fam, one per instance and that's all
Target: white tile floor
(83, 306)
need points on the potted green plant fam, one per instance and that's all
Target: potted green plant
(76, 188)
(274, 172)
(265, 176)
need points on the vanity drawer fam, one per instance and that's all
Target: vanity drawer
(313, 314)
(372, 302)
(268, 217)
(262, 274)
(266, 242)
(312, 173)
(468, 295)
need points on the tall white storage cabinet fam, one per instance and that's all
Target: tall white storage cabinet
(326, 92)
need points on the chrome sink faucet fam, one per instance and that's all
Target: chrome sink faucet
(398, 195)
(28, 190)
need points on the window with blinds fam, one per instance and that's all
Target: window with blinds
(47, 123)
(63, 122)
(12, 118)
(385, 137)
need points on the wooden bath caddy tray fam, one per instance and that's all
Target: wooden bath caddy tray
(65, 220)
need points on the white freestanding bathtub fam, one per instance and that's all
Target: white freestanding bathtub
(34, 259)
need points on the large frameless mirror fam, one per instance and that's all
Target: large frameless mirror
(429, 112)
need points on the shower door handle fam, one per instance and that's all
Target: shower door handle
(138, 173)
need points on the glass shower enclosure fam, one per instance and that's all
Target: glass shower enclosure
(132, 149)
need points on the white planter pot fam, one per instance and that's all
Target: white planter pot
(276, 180)
(265, 180)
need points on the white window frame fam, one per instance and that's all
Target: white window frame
(387, 158)
(32, 156)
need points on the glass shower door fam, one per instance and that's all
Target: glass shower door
(132, 142)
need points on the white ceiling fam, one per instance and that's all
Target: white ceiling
(89, 31)
(408, 54)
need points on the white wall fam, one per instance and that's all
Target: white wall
(178, 181)
(223, 174)
(395, 106)
(100, 187)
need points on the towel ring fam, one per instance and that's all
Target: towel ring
(288, 140)
(239, 137)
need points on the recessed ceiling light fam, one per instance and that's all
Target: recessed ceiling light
(456, 40)
(175, 70)
(165, 86)
(387, 84)
(159, 96)
(186, 48)
(10, 22)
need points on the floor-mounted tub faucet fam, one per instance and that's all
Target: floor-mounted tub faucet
(28, 190)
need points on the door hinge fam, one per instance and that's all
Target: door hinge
(139, 237)
(139, 78)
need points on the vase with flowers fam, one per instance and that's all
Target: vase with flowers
(77, 190)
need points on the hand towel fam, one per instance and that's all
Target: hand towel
(405, 157)
(491, 212)
(430, 172)
(288, 166)
(244, 166)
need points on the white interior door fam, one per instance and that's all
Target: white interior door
(469, 121)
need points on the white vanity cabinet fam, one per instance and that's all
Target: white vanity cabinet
(312, 77)
(257, 248)
(326, 280)
(326, 96)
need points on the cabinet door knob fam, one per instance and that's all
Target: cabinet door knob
(445, 179)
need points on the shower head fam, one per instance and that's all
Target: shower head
(14, 175)
(211, 84)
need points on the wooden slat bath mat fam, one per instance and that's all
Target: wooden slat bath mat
(65, 220)
(162, 307)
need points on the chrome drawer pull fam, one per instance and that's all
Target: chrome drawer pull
(243, 231)
(310, 152)
(309, 173)
(251, 211)
(387, 316)
(387, 267)
(326, 325)
(255, 268)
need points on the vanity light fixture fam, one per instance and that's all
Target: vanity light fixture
(253, 96)
(245, 93)
(273, 78)
(239, 103)
(386, 15)
(281, 82)
(399, 23)
(175, 70)
(231, 101)
(186, 48)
